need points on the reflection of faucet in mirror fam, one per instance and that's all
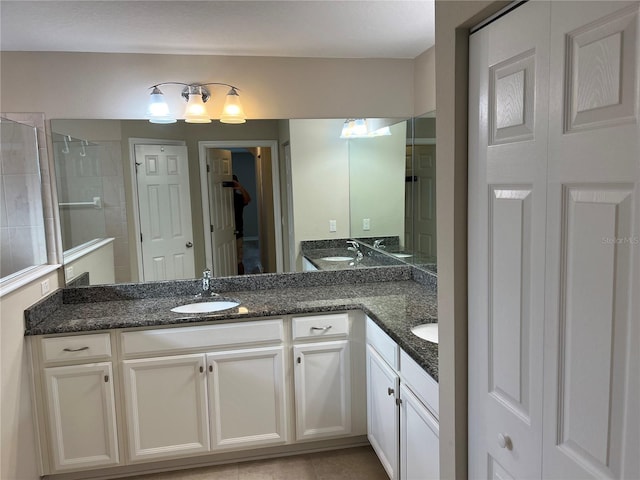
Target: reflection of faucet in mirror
(355, 248)
(379, 244)
(206, 284)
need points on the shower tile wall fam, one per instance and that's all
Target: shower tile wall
(97, 173)
(22, 234)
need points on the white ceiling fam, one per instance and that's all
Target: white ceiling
(328, 28)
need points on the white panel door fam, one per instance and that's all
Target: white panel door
(383, 420)
(592, 327)
(508, 105)
(425, 199)
(164, 202)
(247, 397)
(166, 405)
(82, 419)
(322, 373)
(223, 226)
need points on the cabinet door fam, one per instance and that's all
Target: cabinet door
(247, 397)
(166, 404)
(322, 389)
(419, 443)
(382, 412)
(82, 420)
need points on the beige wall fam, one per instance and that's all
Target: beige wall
(320, 176)
(115, 86)
(424, 81)
(453, 20)
(18, 454)
(97, 263)
(377, 183)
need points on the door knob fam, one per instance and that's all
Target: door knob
(189, 244)
(504, 441)
(390, 391)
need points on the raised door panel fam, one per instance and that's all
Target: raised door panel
(322, 389)
(419, 442)
(383, 420)
(166, 406)
(81, 413)
(247, 398)
(507, 209)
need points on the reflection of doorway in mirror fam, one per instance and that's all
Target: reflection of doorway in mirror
(164, 208)
(424, 187)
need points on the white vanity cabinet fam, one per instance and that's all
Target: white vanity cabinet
(132, 398)
(322, 376)
(402, 403)
(187, 404)
(79, 402)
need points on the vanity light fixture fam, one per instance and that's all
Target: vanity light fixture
(196, 95)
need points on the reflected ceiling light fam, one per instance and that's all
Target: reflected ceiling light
(359, 128)
(196, 95)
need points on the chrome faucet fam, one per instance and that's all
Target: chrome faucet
(355, 248)
(206, 281)
(379, 244)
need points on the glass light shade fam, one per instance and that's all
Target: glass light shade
(158, 110)
(232, 111)
(196, 112)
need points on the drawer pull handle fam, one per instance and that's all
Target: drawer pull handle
(324, 329)
(75, 349)
(106, 378)
(390, 391)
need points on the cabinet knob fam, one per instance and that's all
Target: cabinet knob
(211, 368)
(201, 369)
(390, 391)
(504, 441)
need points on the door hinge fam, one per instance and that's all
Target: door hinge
(208, 169)
(140, 237)
(211, 228)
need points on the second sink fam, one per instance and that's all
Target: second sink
(336, 259)
(205, 307)
(427, 331)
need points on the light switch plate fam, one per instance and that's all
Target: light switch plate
(332, 225)
(366, 224)
(44, 286)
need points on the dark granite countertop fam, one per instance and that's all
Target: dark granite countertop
(396, 298)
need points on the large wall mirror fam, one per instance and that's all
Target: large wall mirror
(145, 202)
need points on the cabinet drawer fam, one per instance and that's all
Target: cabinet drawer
(76, 347)
(332, 325)
(420, 382)
(383, 344)
(166, 340)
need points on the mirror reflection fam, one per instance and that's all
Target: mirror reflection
(143, 202)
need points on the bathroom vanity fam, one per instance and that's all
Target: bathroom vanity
(125, 385)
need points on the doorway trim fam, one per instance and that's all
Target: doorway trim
(133, 192)
(204, 191)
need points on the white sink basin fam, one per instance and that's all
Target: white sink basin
(428, 331)
(205, 307)
(336, 259)
(402, 255)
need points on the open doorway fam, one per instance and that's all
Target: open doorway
(255, 163)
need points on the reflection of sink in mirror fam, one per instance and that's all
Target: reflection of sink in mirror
(428, 331)
(205, 307)
(336, 259)
(402, 255)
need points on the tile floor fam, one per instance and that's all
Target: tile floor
(359, 463)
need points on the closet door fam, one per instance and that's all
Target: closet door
(592, 327)
(508, 110)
